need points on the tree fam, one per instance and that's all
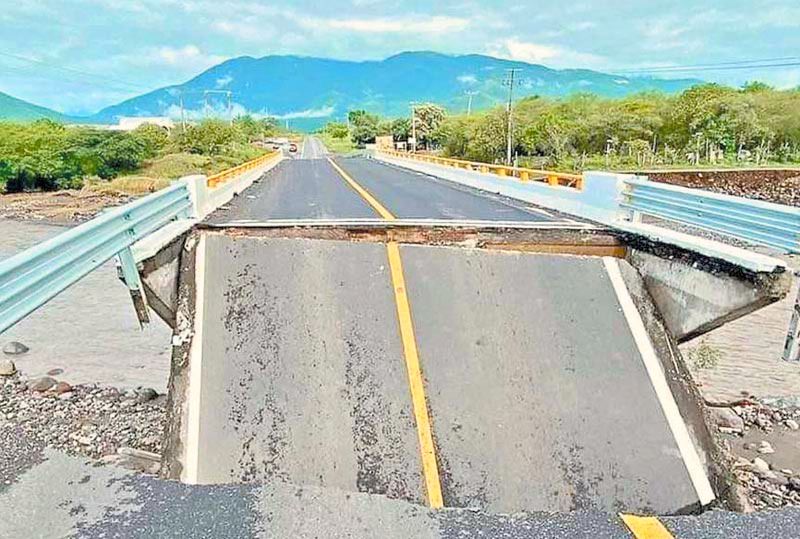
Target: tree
(363, 126)
(427, 118)
(400, 129)
(337, 130)
(209, 137)
(153, 139)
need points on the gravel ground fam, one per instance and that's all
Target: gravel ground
(762, 440)
(59, 207)
(779, 186)
(85, 420)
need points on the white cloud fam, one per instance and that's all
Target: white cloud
(322, 112)
(384, 25)
(247, 29)
(467, 79)
(224, 81)
(187, 59)
(551, 55)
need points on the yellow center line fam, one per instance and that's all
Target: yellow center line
(415, 383)
(430, 469)
(646, 527)
(371, 200)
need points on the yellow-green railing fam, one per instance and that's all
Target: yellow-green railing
(563, 179)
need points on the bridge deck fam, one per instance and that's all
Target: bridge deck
(537, 393)
(313, 189)
(532, 390)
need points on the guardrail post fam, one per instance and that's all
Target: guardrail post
(130, 274)
(791, 350)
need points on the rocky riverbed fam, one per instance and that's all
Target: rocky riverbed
(762, 439)
(87, 419)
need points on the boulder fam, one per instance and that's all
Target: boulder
(727, 419)
(760, 465)
(42, 384)
(765, 448)
(62, 387)
(145, 394)
(7, 367)
(15, 348)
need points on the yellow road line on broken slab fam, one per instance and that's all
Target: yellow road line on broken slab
(430, 468)
(371, 200)
(646, 527)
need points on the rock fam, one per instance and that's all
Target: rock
(794, 483)
(42, 384)
(749, 446)
(55, 372)
(85, 440)
(15, 348)
(7, 367)
(62, 387)
(727, 418)
(151, 441)
(792, 424)
(778, 480)
(765, 448)
(66, 396)
(760, 465)
(146, 394)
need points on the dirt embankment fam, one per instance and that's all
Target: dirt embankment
(60, 207)
(781, 186)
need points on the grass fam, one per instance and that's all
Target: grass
(705, 356)
(160, 172)
(337, 145)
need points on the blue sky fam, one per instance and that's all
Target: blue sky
(93, 53)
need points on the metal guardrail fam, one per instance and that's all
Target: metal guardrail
(523, 174)
(759, 222)
(33, 277)
(216, 179)
(36, 275)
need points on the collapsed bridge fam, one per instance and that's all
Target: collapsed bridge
(384, 328)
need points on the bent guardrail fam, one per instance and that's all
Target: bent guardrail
(36, 275)
(33, 277)
(756, 221)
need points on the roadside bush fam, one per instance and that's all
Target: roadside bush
(209, 137)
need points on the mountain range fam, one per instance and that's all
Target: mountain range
(309, 91)
(18, 110)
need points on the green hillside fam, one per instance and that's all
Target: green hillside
(18, 110)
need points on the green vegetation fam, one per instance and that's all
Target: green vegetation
(336, 142)
(45, 155)
(704, 356)
(707, 125)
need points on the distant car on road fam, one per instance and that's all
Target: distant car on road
(292, 147)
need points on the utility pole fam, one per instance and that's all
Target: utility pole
(510, 81)
(470, 95)
(414, 126)
(183, 113)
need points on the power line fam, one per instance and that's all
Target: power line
(766, 63)
(68, 69)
